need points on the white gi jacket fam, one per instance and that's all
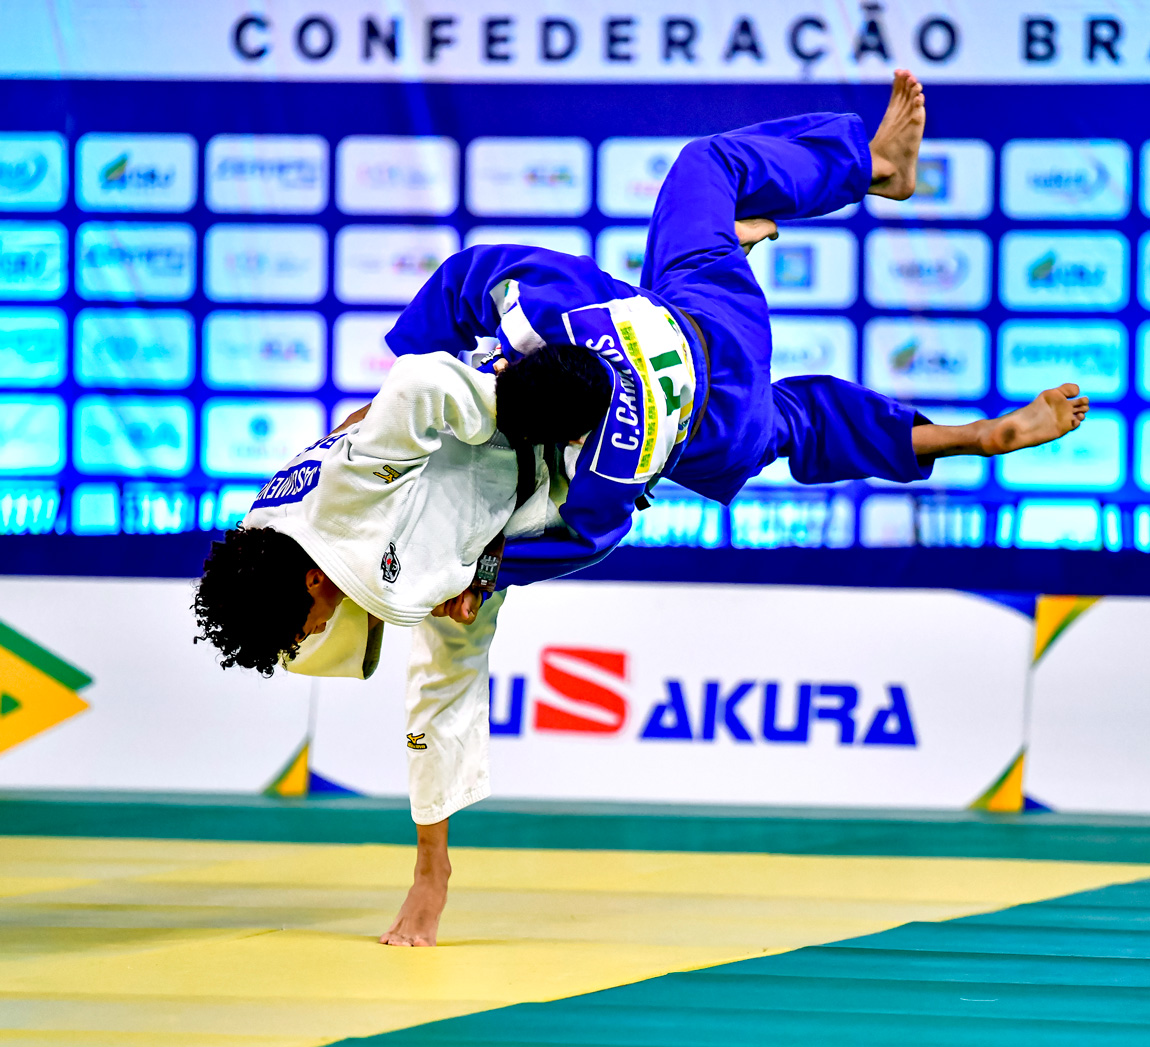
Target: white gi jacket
(396, 510)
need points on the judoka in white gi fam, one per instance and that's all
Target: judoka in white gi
(608, 388)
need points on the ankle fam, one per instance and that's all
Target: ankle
(881, 169)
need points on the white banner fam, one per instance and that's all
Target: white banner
(616, 40)
(678, 693)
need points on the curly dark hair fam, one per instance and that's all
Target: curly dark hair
(551, 396)
(252, 601)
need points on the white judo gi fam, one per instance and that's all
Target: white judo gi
(396, 510)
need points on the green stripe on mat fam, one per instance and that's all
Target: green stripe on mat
(972, 834)
(1070, 972)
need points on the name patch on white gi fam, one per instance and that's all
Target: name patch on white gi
(288, 485)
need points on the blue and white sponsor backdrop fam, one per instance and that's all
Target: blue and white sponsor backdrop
(211, 215)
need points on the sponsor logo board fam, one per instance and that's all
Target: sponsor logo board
(1063, 271)
(1142, 450)
(144, 172)
(31, 434)
(256, 437)
(529, 176)
(1066, 178)
(808, 267)
(32, 347)
(955, 179)
(813, 345)
(1144, 270)
(389, 264)
(33, 260)
(927, 269)
(724, 719)
(132, 435)
(132, 261)
(362, 357)
(265, 350)
(619, 252)
(1091, 458)
(631, 172)
(391, 174)
(33, 172)
(1142, 360)
(1051, 523)
(265, 263)
(1036, 355)
(266, 174)
(134, 347)
(927, 359)
(564, 239)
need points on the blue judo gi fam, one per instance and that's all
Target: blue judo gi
(694, 267)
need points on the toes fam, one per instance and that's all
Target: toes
(1069, 389)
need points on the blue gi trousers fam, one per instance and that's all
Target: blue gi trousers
(829, 429)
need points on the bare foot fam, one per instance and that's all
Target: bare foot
(894, 148)
(751, 231)
(418, 919)
(1050, 415)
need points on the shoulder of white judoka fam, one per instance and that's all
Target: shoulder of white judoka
(422, 397)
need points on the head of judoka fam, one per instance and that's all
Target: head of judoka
(259, 596)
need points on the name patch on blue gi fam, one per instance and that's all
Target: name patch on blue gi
(626, 438)
(288, 485)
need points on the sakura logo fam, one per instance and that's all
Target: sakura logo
(390, 565)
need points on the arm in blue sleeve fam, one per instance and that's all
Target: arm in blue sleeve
(518, 294)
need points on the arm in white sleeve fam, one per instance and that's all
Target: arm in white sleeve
(447, 714)
(422, 397)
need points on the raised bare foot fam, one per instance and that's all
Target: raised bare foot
(418, 919)
(894, 148)
(1050, 415)
(751, 231)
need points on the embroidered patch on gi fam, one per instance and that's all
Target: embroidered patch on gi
(288, 485)
(415, 741)
(388, 474)
(390, 565)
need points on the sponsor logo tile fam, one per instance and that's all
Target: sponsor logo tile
(925, 269)
(391, 174)
(256, 437)
(33, 260)
(955, 180)
(1091, 458)
(1142, 450)
(134, 347)
(33, 350)
(1036, 355)
(631, 172)
(265, 263)
(389, 264)
(1066, 178)
(132, 435)
(529, 176)
(33, 172)
(139, 172)
(265, 350)
(808, 267)
(266, 174)
(927, 359)
(31, 435)
(813, 345)
(133, 261)
(1063, 271)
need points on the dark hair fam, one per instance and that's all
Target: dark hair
(252, 601)
(553, 395)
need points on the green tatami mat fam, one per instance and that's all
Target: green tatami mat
(1070, 972)
(653, 827)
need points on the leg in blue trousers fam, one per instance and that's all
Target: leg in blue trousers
(795, 168)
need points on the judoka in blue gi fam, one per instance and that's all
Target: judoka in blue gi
(594, 390)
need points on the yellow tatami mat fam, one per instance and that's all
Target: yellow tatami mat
(194, 944)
